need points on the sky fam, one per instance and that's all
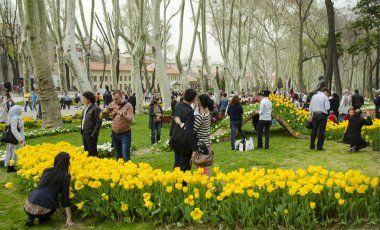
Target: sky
(213, 49)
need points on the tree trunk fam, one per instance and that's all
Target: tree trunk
(337, 81)
(115, 50)
(352, 72)
(159, 63)
(301, 83)
(331, 42)
(35, 22)
(364, 72)
(378, 58)
(61, 69)
(71, 55)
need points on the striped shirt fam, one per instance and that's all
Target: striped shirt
(202, 127)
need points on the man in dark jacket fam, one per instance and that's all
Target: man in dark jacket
(91, 124)
(357, 100)
(184, 119)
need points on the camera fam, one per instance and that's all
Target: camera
(109, 108)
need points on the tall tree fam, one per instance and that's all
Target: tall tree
(184, 72)
(23, 48)
(155, 41)
(35, 24)
(10, 35)
(71, 54)
(55, 27)
(332, 64)
(303, 8)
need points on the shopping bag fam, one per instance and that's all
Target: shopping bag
(249, 145)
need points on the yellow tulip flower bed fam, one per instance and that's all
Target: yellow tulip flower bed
(297, 119)
(267, 198)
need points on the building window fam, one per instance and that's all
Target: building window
(95, 87)
(129, 84)
(129, 77)
(125, 78)
(95, 78)
(106, 78)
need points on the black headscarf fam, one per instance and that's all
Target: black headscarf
(56, 174)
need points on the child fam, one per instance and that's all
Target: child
(332, 117)
(353, 135)
(351, 112)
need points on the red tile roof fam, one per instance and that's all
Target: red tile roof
(98, 66)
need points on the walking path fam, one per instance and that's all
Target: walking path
(64, 112)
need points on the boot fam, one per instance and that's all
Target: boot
(29, 222)
(11, 169)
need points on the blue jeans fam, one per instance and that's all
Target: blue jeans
(233, 126)
(155, 134)
(122, 145)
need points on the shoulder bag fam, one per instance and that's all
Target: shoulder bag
(8, 136)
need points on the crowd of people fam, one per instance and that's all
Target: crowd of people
(190, 132)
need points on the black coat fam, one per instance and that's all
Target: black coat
(334, 106)
(354, 128)
(186, 114)
(357, 101)
(132, 100)
(92, 123)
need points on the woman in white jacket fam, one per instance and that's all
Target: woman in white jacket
(344, 105)
(17, 126)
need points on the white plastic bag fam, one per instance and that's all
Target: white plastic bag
(246, 146)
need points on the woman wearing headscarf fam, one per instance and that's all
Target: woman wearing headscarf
(344, 105)
(42, 202)
(3, 110)
(17, 128)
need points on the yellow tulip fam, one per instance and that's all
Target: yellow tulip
(104, 196)
(312, 205)
(341, 202)
(286, 211)
(8, 185)
(337, 195)
(11, 162)
(80, 205)
(169, 189)
(196, 214)
(78, 185)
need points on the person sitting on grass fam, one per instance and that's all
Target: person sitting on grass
(42, 202)
(353, 135)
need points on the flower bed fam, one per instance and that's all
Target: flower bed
(265, 198)
(297, 119)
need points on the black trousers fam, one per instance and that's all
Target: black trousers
(182, 160)
(319, 126)
(360, 143)
(90, 144)
(263, 125)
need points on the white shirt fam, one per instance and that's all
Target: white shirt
(319, 103)
(84, 115)
(265, 110)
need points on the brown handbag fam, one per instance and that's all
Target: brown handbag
(203, 160)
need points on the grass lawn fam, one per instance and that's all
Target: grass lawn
(284, 152)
